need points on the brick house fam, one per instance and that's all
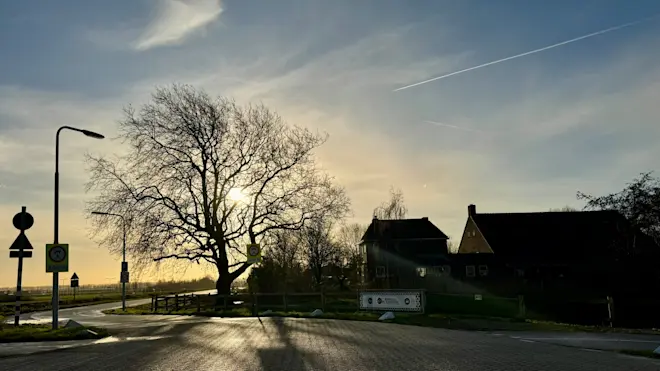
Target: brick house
(400, 253)
(594, 250)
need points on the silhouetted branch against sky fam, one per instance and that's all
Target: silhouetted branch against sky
(204, 176)
(639, 202)
(394, 208)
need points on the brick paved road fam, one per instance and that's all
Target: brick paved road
(300, 344)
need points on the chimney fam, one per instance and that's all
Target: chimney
(472, 210)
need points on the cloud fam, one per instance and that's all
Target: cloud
(177, 20)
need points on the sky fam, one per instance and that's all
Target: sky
(521, 135)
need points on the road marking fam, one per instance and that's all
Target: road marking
(597, 339)
(592, 350)
(527, 341)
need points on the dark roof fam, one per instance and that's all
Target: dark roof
(547, 234)
(402, 229)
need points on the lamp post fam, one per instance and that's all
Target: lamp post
(56, 219)
(124, 266)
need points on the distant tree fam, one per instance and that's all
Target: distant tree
(202, 177)
(564, 209)
(452, 247)
(321, 249)
(639, 202)
(394, 208)
(349, 259)
(285, 253)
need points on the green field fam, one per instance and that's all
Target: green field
(43, 302)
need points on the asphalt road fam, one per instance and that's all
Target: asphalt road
(191, 343)
(304, 344)
(601, 341)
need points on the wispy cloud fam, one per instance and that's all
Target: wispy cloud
(453, 126)
(176, 20)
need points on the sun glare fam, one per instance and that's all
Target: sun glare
(236, 194)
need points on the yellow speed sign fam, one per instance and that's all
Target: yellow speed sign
(253, 253)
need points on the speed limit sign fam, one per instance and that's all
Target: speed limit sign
(253, 253)
(57, 257)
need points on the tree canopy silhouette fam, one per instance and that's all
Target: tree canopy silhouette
(202, 177)
(639, 202)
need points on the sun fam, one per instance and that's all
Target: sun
(236, 194)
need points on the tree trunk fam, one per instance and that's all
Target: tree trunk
(223, 285)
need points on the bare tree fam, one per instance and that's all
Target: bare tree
(564, 209)
(394, 208)
(348, 238)
(202, 177)
(285, 252)
(349, 259)
(322, 251)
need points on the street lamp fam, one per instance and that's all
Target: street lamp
(56, 219)
(124, 265)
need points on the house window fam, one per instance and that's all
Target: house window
(421, 272)
(380, 271)
(483, 270)
(446, 269)
(470, 271)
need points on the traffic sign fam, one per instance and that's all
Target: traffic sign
(23, 220)
(20, 254)
(124, 277)
(74, 280)
(57, 257)
(21, 242)
(253, 253)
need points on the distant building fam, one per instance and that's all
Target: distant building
(594, 250)
(400, 253)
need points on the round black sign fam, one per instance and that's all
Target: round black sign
(23, 221)
(57, 254)
(407, 301)
(380, 301)
(370, 301)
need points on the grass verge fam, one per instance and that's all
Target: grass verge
(457, 322)
(31, 333)
(41, 304)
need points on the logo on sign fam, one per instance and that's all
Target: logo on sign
(370, 301)
(380, 301)
(57, 254)
(407, 301)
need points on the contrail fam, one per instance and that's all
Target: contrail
(452, 126)
(530, 52)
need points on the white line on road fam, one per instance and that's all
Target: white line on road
(592, 350)
(597, 339)
(527, 341)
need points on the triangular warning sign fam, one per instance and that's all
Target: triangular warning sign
(75, 276)
(21, 242)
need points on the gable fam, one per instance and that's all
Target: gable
(473, 241)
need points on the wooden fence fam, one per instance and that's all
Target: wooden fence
(286, 302)
(599, 311)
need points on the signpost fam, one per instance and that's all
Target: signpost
(392, 300)
(57, 257)
(20, 249)
(75, 281)
(253, 253)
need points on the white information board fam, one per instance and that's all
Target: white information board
(392, 300)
